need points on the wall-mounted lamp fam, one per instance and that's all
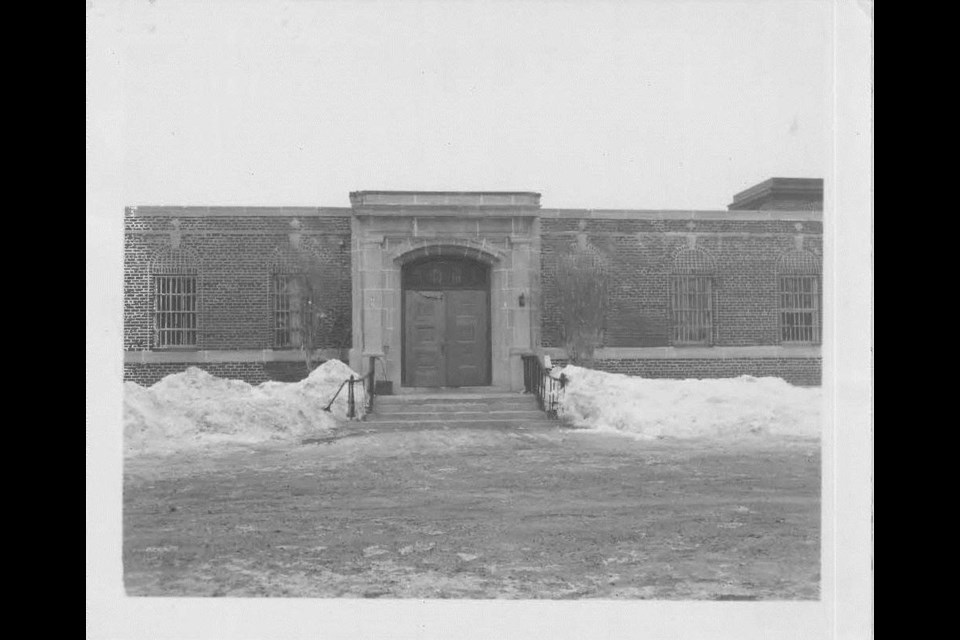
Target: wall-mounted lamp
(522, 300)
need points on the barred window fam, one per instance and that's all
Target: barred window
(798, 280)
(288, 296)
(174, 276)
(799, 309)
(692, 298)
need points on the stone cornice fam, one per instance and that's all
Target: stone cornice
(523, 199)
(446, 211)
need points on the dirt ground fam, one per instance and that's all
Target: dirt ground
(478, 514)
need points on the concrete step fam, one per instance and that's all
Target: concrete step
(415, 398)
(360, 429)
(455, 407)
(429, 425)
(474, 391)
(455, 416)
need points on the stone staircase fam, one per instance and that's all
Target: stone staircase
(480, 407)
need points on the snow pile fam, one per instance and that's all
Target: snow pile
(729, 408)
(195, 409)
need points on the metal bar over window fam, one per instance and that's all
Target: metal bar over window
(799, 308)
(287, 292)
(691, 305)
(175, 310)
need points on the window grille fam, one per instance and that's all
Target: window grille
(692, 297)
(175, 310)
(691, 303)
(799, 309)
(287, 302)
(175, 300)
(799, 300)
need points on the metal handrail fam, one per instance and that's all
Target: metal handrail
(351, 400)
(538, 381)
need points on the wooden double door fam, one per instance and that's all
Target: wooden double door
(446, 335)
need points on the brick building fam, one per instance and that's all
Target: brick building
(452, 288)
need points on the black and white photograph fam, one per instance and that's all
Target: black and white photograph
(479, 319)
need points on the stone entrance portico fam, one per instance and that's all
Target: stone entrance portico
(391, 229)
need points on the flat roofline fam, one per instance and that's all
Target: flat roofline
(552, 212)
(448, 193)
(226, 211)
(684, 214)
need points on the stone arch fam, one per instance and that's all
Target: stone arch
(799, 262)
(586, 254)
(694, 261)
(446, 297)
(286, 258)
(175, 261)
(451, 248)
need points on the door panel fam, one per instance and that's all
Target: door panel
(468, 344)
(425, 326)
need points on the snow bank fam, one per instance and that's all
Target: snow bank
(729, 408)
(195, 409)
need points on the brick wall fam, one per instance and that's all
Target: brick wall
(798, 371)
(146, 374)
(234, 281)
(640, 258)
(235, 254)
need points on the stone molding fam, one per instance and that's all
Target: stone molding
(479, 251)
